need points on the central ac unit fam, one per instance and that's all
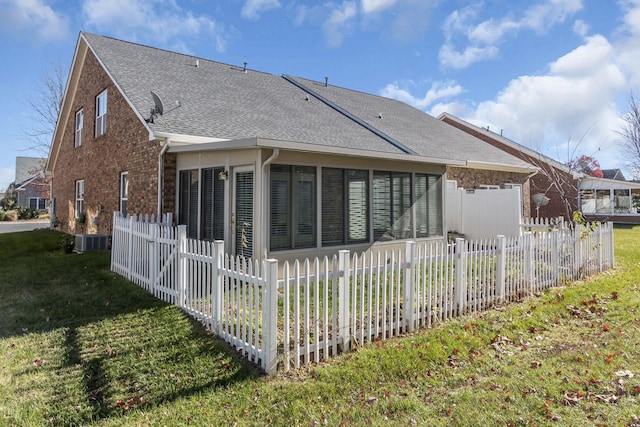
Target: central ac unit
(91, 242)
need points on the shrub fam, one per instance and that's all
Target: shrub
(68, 243)
(2, 214)
(27, 213)
(11, 215)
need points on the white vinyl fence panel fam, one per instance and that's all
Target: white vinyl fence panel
(305, 312)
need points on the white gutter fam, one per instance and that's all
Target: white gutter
(160, 174)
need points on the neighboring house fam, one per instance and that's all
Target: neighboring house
(32, 187)
(599, 199)
(276, 166)
(613, 174)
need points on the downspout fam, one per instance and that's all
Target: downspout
(274, 155)
(161, 175)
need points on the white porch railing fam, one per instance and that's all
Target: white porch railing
(307, 311)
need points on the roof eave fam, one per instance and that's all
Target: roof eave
(502, 167)
(309, 148)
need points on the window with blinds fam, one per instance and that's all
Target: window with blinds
(188, 210)
(353, 202)
(428, 189)
(244, 214)
(345, 206)
(391, 205)
(293, 220)
(212, 205)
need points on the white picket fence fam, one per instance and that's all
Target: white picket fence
(304, 312)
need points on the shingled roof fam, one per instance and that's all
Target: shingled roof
(414, 129)
(209, 99)
(223, 101)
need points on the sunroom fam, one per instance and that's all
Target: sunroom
(281, 200)
(609, 199)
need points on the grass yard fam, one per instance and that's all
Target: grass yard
(81, 346)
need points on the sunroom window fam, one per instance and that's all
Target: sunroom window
(293, 207)
(345, 206)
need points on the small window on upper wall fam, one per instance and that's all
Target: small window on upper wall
(79, 126)
(101, 114)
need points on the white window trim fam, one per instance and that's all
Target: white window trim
(79, 198)
(101, 114)
(124, 191)
(38, 200)
(79, 126)
(488, 187)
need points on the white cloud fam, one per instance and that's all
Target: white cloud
(339, 22)
(450, 58)
(567, 112)
(544, 15)
(401, 19)
(253, 8)
(581, 28)
(373, 6)
(628, 47)
(482, 39)
(438, 91)
(33, 18)
(158, 21)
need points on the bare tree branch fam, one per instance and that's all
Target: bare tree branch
(630, 131)
(45, 107)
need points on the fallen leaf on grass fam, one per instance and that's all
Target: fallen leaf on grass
(571, 399)
(134, 401)
(625, 373)
(39, 362)
(606, 398)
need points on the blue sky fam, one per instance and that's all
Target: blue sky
(554, 75)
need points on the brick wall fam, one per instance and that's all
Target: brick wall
(559, 186)
(125, 147)
(468, 178)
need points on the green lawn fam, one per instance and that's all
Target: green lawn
(81, 346)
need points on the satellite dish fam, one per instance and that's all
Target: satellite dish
(158, 105)
(540, 200)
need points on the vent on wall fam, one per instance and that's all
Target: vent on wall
(91, 242)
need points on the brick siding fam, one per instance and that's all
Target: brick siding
(472, 178)
(559, 186)
(125, 147)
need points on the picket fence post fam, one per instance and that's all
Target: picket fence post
(130, 249)
(501, 264)
(528, 260)
(154, 257)
(409, 306)
(610, 243)
(461, 275)
(270, 317)
(344, 271)
(599, 248)
(182, 266)
(217, 283)
(555, 252)
(577, 249)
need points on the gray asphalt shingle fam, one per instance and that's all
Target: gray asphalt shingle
(223, 101)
